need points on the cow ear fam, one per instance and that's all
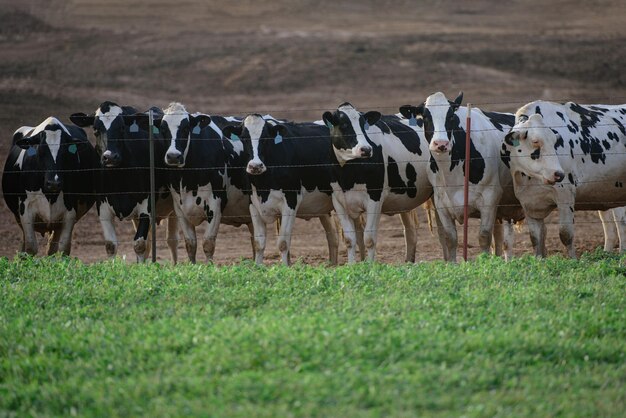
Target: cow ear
(457, 102)
(82, 120)
(372, 117)
(29, 141)
(201, 120)
(276, 132)
(410, 111)
(512, 138)
(232, 132)
(329, 120)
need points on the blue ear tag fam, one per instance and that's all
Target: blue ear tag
(72, 149)
(196, 130)
(234, 137)
(366, 126)
(412, 121)
(516, 142)
(155, 130)
(134, 127)
(330, 125)
(278, 139)
(31, 151)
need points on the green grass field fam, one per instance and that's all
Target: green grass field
(529, 338)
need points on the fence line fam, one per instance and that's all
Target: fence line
(581, 126)
(308, 217)
(360, 162)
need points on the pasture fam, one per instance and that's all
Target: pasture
(486, 338)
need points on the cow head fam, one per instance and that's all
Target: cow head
(179, 127)
(258, 135)
(110, 128)
(440, 121)
(532, 147)
(348, 132)
(50, 150)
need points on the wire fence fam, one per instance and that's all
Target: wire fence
(425, 160)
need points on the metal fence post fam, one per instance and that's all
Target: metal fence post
(152, 185)
(466, 180)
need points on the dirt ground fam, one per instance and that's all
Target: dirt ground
(296, 59)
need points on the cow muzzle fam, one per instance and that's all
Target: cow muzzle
(111, 159)
(255, 168)
(174, 160)
(440, 146)
(365, 151)
(52, 186)
(557, 177)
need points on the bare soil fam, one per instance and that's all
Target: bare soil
(296, 59)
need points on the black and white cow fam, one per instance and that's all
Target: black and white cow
(567, 156)
(491, 194)
(207, 179)
(124, 182)
(290, 172)
(48, 182)
(379, 166)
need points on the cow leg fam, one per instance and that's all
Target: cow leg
(30, 238)
(141, 241)
(331, 237)
(141, 246)
(359, 224)
(537, 231)
(172, 236)
(374, 211)
(65, 238)
(498, 237)
(105, 213)
(566, 229)
(609, 228)
(509, 240)
(288, 218)
(250, 226)
(487, 221)
(410, 235)
(441, 235)
(23, 245)
(450, 236)
(260, 234)
(349, 229)
(210, 234)
(619, 215)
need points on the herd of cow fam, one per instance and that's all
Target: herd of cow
(258, 169)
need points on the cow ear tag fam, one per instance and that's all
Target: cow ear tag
(234, 137)
(31, 151)
(515, 142)
(134, 127)
(278, 139)
(72, 149)
(155, 130)
(196, 130)
(366, 126)
(412, 121)
(330, 125)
